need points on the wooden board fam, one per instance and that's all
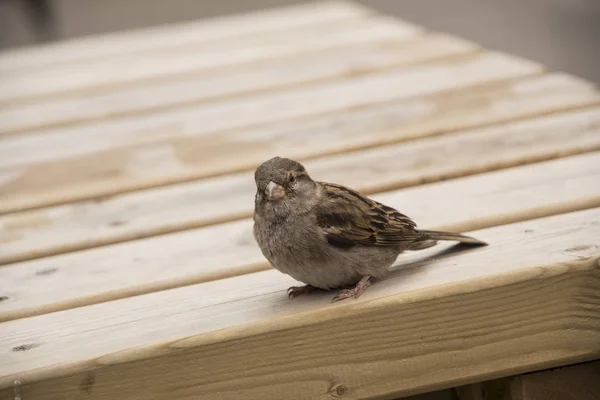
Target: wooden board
(220, 199)
(147, 96)
(223, 250)
(114, 45)
(210, 122)
(528, 301)
(158, 164)
(165, 209)
(104, 174)
(140, 67)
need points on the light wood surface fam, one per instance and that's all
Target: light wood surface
(143, 95)
(223, 250)
(525, 302)
(119, 44)
(158, 164)
(194, 204)
(128, 269)
(206, 122)
(112, 72)
(151, 165)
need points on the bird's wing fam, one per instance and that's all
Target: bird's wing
(348, 219)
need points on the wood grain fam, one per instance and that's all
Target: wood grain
(154, 165)
(166, 163)
(209, 122)
(137, 69)
(224, 250)
(174, 36)
(238, 80)
(161, 210)
(526, 302)
(226, 198)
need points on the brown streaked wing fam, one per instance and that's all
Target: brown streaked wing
(349, 219)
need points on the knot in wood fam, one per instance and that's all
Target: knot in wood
(25, 347)
(340, 390)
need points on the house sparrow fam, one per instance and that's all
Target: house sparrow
(329, 236)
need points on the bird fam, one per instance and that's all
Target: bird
(329, 236)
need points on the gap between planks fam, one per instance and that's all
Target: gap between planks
(533, 306)
(156, 39)
(187, 159)
(216, 252)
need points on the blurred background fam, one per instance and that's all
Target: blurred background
(562, 34)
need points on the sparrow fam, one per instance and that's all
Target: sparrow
(329, 236)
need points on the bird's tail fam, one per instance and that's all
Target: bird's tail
(438, 235)
(431, 238)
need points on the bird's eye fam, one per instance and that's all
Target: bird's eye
(292, 178)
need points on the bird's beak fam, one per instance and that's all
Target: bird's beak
(274, 191)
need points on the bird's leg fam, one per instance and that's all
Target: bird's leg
(356, 291)
(296, 291)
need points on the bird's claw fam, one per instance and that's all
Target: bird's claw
(346, 294)
(355, 292)
(296, 291)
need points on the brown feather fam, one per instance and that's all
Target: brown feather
(348, 219)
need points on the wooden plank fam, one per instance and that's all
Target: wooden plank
(143, 266)
(84, 225)
(77, 226)
(178, 35)
(211, 121)
(147, 166)
(139, 68)
(337, 63)
(158, 164)
(199, 203)
(534, 305)
(155, 164)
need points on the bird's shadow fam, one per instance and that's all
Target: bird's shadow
(423, 257)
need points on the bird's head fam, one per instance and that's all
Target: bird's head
(283, 188)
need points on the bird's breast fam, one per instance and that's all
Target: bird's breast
(293, 240)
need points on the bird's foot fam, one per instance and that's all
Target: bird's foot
(296, 291)
(356, 291)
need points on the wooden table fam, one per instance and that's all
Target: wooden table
(129, 270)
